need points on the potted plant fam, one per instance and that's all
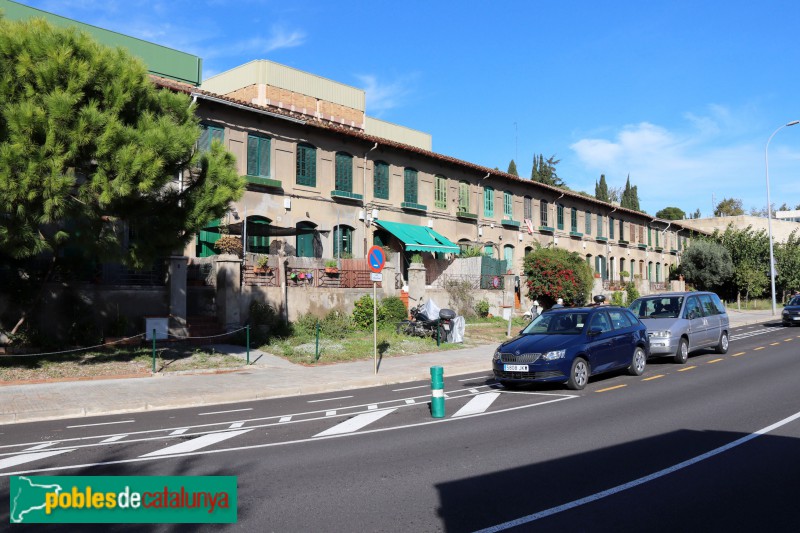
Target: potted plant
(331, 267)
(597, 275)
(262, 265)
(229, 244)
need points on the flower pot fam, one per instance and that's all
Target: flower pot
(331, 270)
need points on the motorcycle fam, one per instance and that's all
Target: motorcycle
(421, 325)
(534, 311)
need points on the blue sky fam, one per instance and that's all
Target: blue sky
(681, 95)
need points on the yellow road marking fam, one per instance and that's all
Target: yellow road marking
(611, 388)
(787, 340)
(757, 349)
(714, 361)
(653, 377)
(774, 343)
(738, 354)
(685, 369)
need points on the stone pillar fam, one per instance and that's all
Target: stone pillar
(229, 289)
(508, 295)
(177, 296)
(416, 283)
(387, 285)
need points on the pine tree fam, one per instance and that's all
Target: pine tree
(601, 189)
(512, 168)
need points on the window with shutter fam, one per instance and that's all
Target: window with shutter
(543, 213)
(527, 208)
(488, 202)
(381, 180)
(410, 186)
(306, 165)
(560, 216)
(258, 156)
(508, 205)
(463, 197)
(344, 172)
(209, 133)
(440, 192)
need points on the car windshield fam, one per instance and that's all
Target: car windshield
(569, 323)
(794, 301)
(657, 307)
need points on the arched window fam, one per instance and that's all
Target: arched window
(600, 266)
(658, 272)
(342, 241)
(650, 271)
(508, 255)
(344, 172)
(257, 231)
(528, 249)
(488, 250)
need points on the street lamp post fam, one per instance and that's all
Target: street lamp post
(769, 217)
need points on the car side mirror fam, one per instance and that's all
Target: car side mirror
(595, 331)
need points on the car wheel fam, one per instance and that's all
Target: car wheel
(638, 362)
(722, 347)
(578, 374)
(682, 355)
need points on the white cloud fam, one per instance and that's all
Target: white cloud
(383, 96)
(689, 165)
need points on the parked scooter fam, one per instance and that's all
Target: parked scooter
(421, 325)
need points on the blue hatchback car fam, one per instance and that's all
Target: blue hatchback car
(569, 345)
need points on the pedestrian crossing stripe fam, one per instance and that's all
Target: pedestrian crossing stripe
(354, 424)
(478, 404)
(197, 443)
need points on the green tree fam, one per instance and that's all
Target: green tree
(556, 273)
(787, 263)
(90, 150)
(544, 171)
(696, 214)
(749, 252)
(601, 189)
(729, 207)
(671, 213)
(707, 265)
(512, 168)
(630, 196)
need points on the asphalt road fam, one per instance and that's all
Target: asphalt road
(674, 449)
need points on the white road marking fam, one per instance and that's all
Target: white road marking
(474, 391)
(410, 402)
(329, 399)
(330, 413)
(372, 407)
(285, 419)
(29, 457)
(478, 404)
(636, 482)
(101, 424)
(355, 423)
(38, 446)
(223, 412)
(561, 397)
(411, 388)
(115, 438)
(196, 444)
(236, 425)
(179, 431)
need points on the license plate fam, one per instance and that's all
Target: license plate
(515, 368)
(657, 344)
(447, 327)
(796, 318)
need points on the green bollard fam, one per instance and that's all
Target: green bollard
(316, 350)
(437, 392)
(154, 351)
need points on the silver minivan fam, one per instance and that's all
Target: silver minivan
(682, 322)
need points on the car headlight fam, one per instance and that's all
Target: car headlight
(660, 334)
(785, 312)
(555, 354)
(496, 356)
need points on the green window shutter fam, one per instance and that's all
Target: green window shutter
(306, 165)
(209, 133)
(543, 213)
(410, 186)
(344, 172)
(622, 230)
(527, 208)
(649, 236)
(508, 204)
(611, 228)
(440, 192)
(463, 196)
(560, 216)
(305, 240)
(588, 223)
(380, 185)
(599, 225)
(257, 156)
(573, 220)
(488, 250)
(657, 238)
(342, 241)
(488, 202)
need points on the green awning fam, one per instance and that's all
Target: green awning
(419, 238)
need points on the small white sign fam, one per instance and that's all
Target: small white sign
(375, 277)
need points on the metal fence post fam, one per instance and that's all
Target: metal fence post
(247, 335)
(316, 350)
(154, 350)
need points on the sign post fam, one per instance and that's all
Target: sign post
(377, 260)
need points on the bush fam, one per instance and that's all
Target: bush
(632, 291)
(362, 312)
(392, 310)
(556, 273)
(482, 308)
(229, 244)
(461, 299)
(617, 298)
(266, 322)
(335, 325)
